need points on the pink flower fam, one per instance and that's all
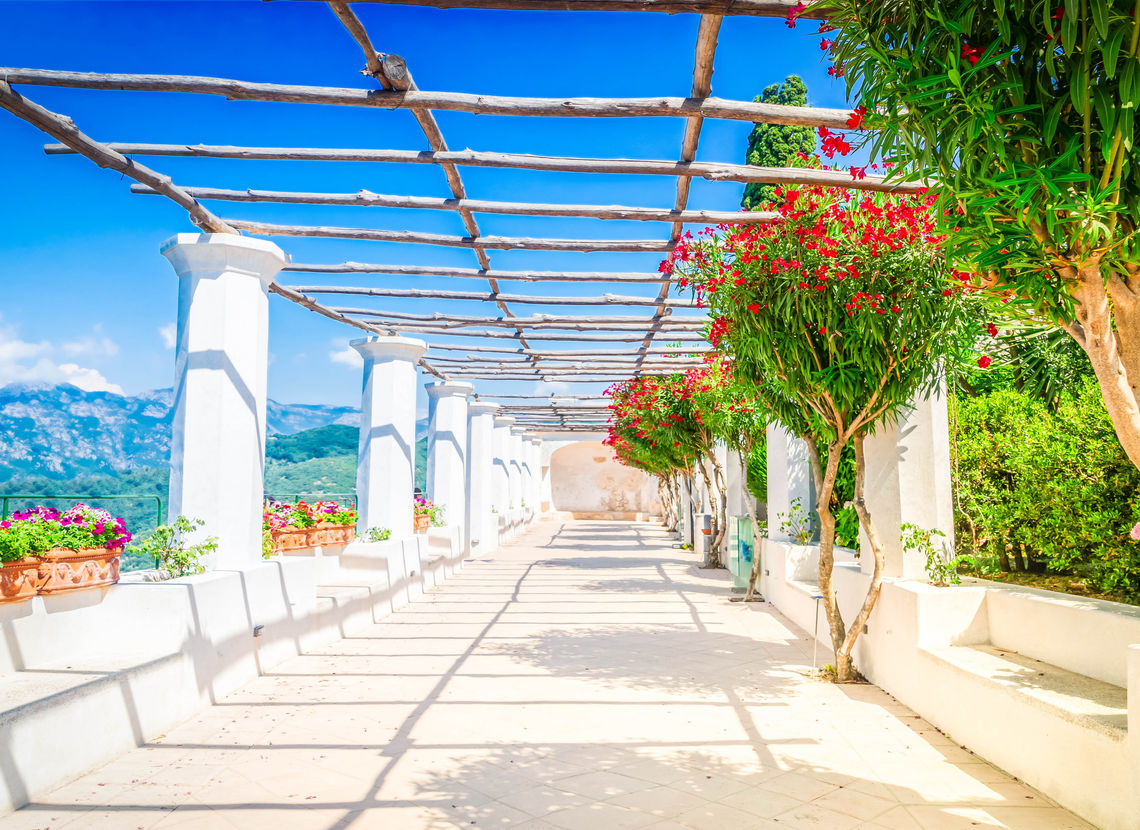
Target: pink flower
(1135, 534)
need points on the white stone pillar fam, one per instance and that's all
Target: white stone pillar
(514, 454)
(447, 449)
(217, 450)
(501, 489)
(908, 482)
(482, 526)
(789, 478)
(385, 467)
(534, 498)
(734, 480)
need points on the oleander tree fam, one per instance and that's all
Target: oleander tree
(735, 413)
(837, 314)
(655, 427)
(1021, 117)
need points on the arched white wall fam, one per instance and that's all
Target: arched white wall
(586, 479)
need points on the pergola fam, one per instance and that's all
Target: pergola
(606, 347)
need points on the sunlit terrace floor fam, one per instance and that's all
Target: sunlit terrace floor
(587, 677)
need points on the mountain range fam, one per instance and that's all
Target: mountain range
(62, 432)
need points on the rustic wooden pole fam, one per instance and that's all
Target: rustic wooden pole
(504, 243)
(235, 90)
(365, 198)
(473, 273)
(712, 171)
(758, 8)
(441, 294)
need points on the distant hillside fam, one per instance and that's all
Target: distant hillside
(63, 432)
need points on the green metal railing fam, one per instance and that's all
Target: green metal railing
(130, 561)
(310, 496)
(6, 498)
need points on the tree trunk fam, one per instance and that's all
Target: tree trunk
(712, 552)
(844, 668)
(824, 486)
(754, 574)
(1114, 355)
(721, 506)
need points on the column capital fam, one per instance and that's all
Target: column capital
(390, 348)
(482, 407)
(449, 389)
(504, 421)
(217, 253)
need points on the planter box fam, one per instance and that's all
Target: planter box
(290, 538)
(19, 580)
(63, 570)
(420, 524)
(326, 533)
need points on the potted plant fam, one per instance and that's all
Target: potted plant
(289, 526)
(425, 515)
(19, 565)
(74, 550)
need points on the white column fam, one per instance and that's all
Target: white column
(217, 450)
(482, 525)
(736, 485)
(385, 466)
(534, 497)
(501, 490)
(789, 478)
(908, 482)
(447, 449)
(516, 471)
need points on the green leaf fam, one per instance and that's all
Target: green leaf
(1111, 51)
(1100, 17)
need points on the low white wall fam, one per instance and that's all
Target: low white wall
(908, 650)
(89, 675)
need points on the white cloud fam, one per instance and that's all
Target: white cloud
(344, 354)
(169, 334)
(22, 361)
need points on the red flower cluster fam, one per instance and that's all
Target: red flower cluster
(972, 53)
(833, 143)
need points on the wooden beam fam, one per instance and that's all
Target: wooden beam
(473, 273)
(614, 323)
(493, 296)
(663, 352)
(712, 171)
(707, 32)
(373, 65)
(757, 8)
(63, 129)
(536, 334)
(235, 90)
(365, 198)
(503, 243)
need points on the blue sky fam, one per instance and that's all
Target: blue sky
(86, 295)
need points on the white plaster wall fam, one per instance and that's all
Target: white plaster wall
(585, 478)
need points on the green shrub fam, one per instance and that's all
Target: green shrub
(167, 545)
(1044, 490)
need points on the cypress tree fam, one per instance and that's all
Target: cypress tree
(775, 145)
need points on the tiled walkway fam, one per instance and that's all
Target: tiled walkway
(588, 677)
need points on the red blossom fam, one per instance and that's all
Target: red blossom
(858, 173)
(857, 116)
(972, 53)
(984, 361)
(794, 12)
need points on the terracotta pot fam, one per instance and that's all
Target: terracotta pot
(421, 523)
(64, 570)
(290, 538)
(327, 533)
(19, 580)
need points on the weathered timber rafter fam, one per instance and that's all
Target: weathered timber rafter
(712, 171)
(441, 294)
(477, 243)
(365, 198)
(757, 8)
(235, 90)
